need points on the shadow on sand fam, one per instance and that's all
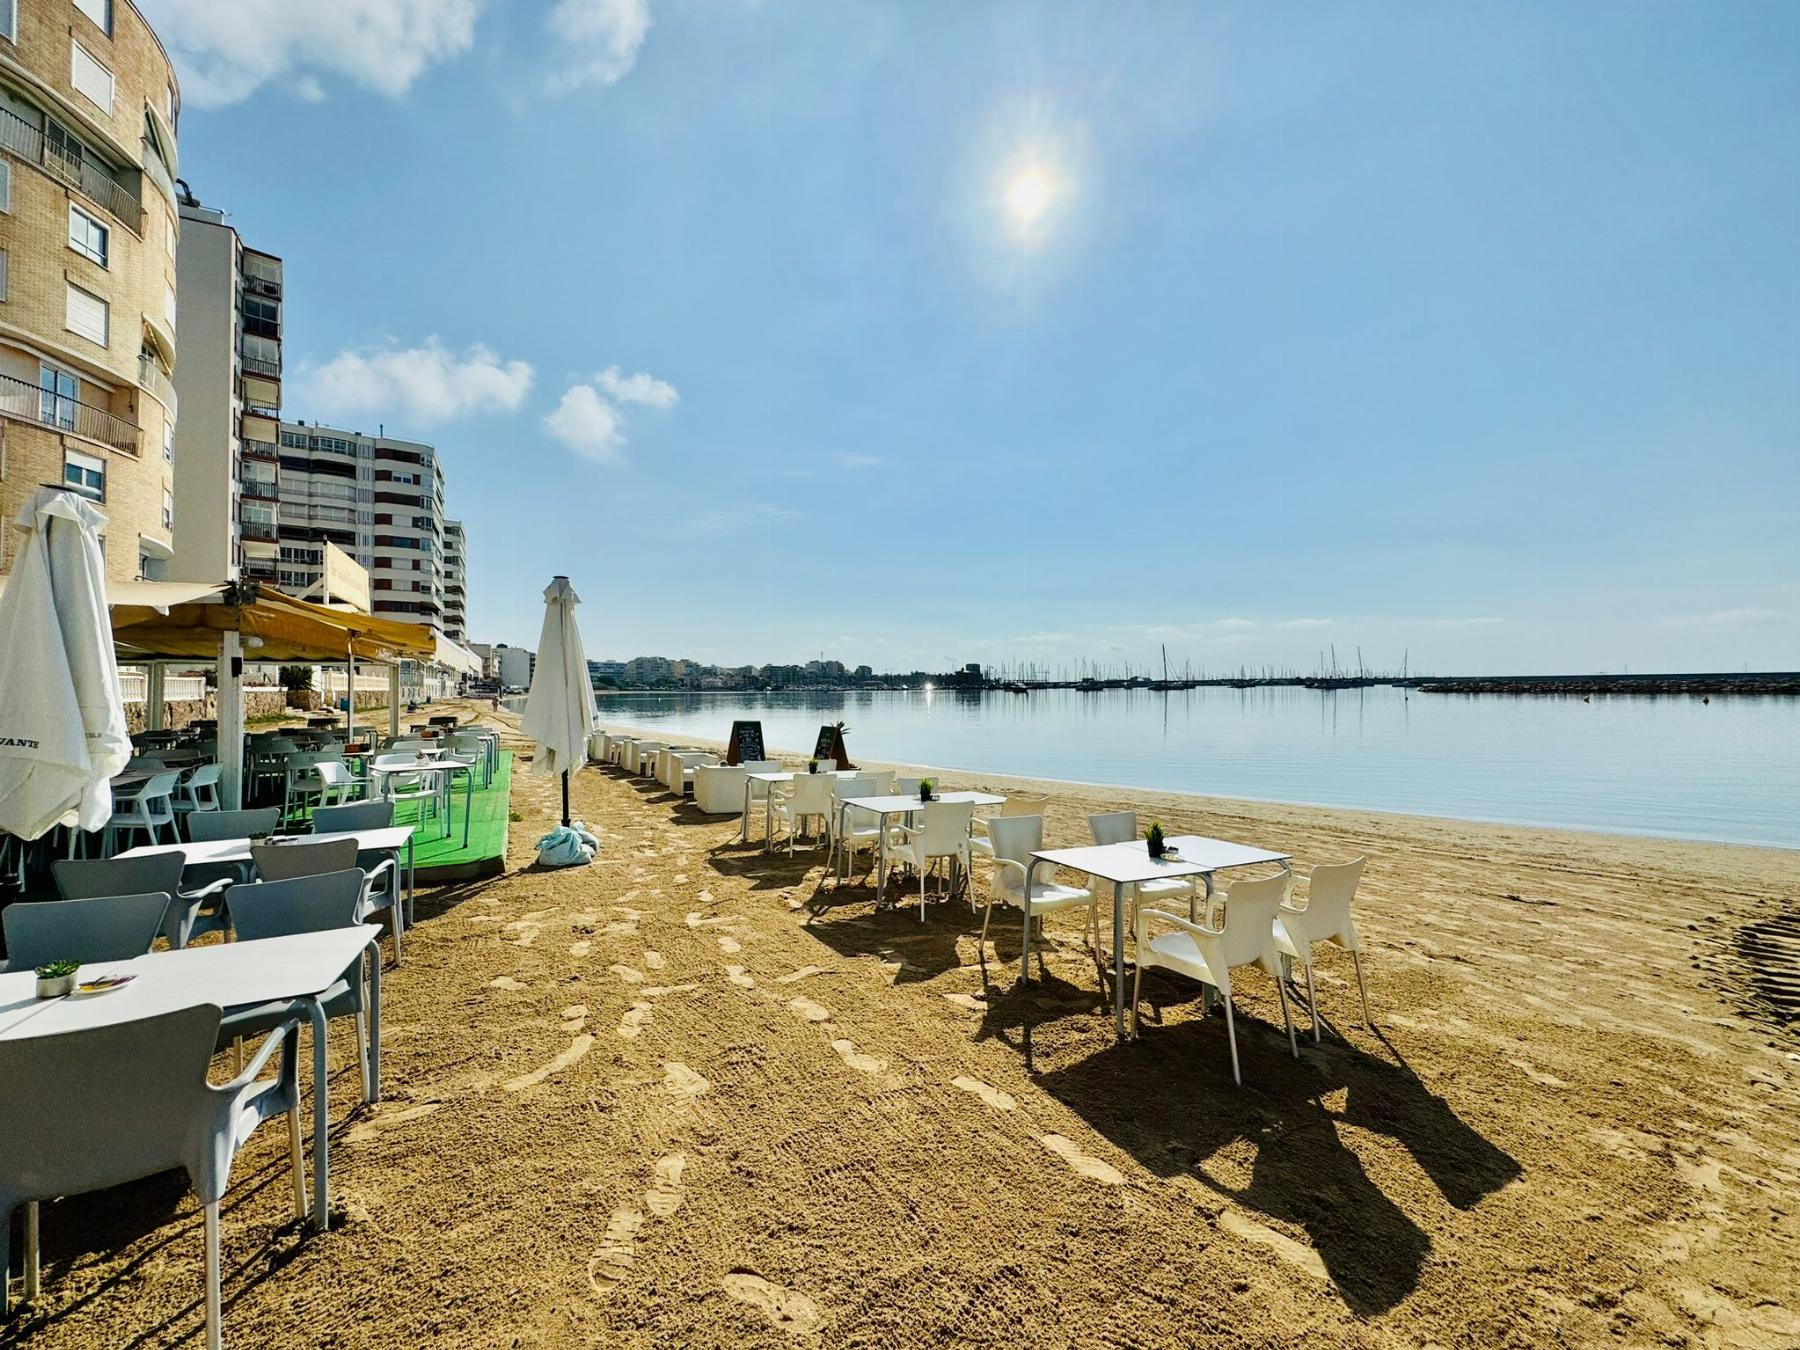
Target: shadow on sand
(1168, 1100)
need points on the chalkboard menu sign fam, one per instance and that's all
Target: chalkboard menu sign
(746, 743)
(830, 746)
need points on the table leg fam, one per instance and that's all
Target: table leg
(409, 880)
(880, 858)
(768, 816)
(468, 804)
(744, 827)
(1119, 957)
(375, 1020)
(1025, 944)
(321, 1124)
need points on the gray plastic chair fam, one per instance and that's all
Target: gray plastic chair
(210, 825)
(83, 879)
(281, 862)
(311, 904)
(376, 815)
(106, 928)
(107, 1105)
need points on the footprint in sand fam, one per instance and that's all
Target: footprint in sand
(1296, 1254)
(968, 1001)
(740, 977)
(506, 982)
(730, 946)
(576, 1049)
(632, 1023)
(681, 878)
(787, 1308)
(808, 1011)
(1081, 1163)
(383, 1120)
(658, 990)
(681, 1081)
(628, 974)
(862, 1063)
(1536, 1074)
(993, 1096)
(794, 976)
(611, 1261)
(654, 960)
(705, 897)
(580, 949)
(666, 1191)
(574, 1017)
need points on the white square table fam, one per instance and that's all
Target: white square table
(775, 776)
(389, 839)
(229, 975)
(896, 804)
(439, 763)
(1128, 863)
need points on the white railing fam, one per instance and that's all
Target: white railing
(332, 683)
(134, 686)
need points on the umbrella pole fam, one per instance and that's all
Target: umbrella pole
(565, 778)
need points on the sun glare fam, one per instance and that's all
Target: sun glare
(1029, 195)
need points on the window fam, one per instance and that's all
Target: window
(90, 77)
(5, 185)
(169, 232)
(100, 11)
(85, 474)
(2, 274)
(87, 314)
(58, 391)
(168, 509)
(9, 20)
(87, 236)
(169, 440)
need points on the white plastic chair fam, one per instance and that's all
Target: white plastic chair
(942, 832)
(1245, 937)
(199, 790)
(851, 826)
(1015, 839)
(151, 809)
(1121, 827)
(1325, 918)
(1019, 804)
(808, 795)
(421, 788)
(66, 1133)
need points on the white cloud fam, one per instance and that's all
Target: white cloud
(588, 424)
(422, 385)
(1721, 618)
(226, 52)
(639, 388)
(598, 40)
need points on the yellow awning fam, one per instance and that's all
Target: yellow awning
(275, 627)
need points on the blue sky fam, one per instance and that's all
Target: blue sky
(1466, 331)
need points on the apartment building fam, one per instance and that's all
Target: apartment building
(379, 499)
(229, 383)
(456, 582)
(88, 239)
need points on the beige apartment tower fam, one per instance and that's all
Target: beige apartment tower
(88, 238)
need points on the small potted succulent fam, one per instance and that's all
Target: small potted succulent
(1153, 841)
(812, 766)
(927, 789)
(56, 979)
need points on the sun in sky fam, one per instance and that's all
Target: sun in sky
(1032, 187)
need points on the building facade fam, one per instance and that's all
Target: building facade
(229, 383)
(379, 499)
(88, 239)
(456, 582)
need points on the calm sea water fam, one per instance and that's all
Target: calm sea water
(1726, 770)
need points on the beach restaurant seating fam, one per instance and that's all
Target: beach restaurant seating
(1016, 804)
(68, 1134)
(84, 879)
(1015, 839)
(684, 764)
(942, 831)
(1245, 937)
(1325, 918)
(1121, 827)
(719, 789)
(806, 797)
(104, 928)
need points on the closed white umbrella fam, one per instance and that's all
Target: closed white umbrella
(560, 712)
(62, 719)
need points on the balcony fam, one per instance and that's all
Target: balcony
(256, 449)
(67, 164)
(262, 489)
(265, 286)
(27, 403)
(256, 365)
(159, 385)
(259, 529)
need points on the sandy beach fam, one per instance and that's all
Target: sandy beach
(694, 1096)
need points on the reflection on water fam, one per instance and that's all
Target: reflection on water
(1728, 769)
